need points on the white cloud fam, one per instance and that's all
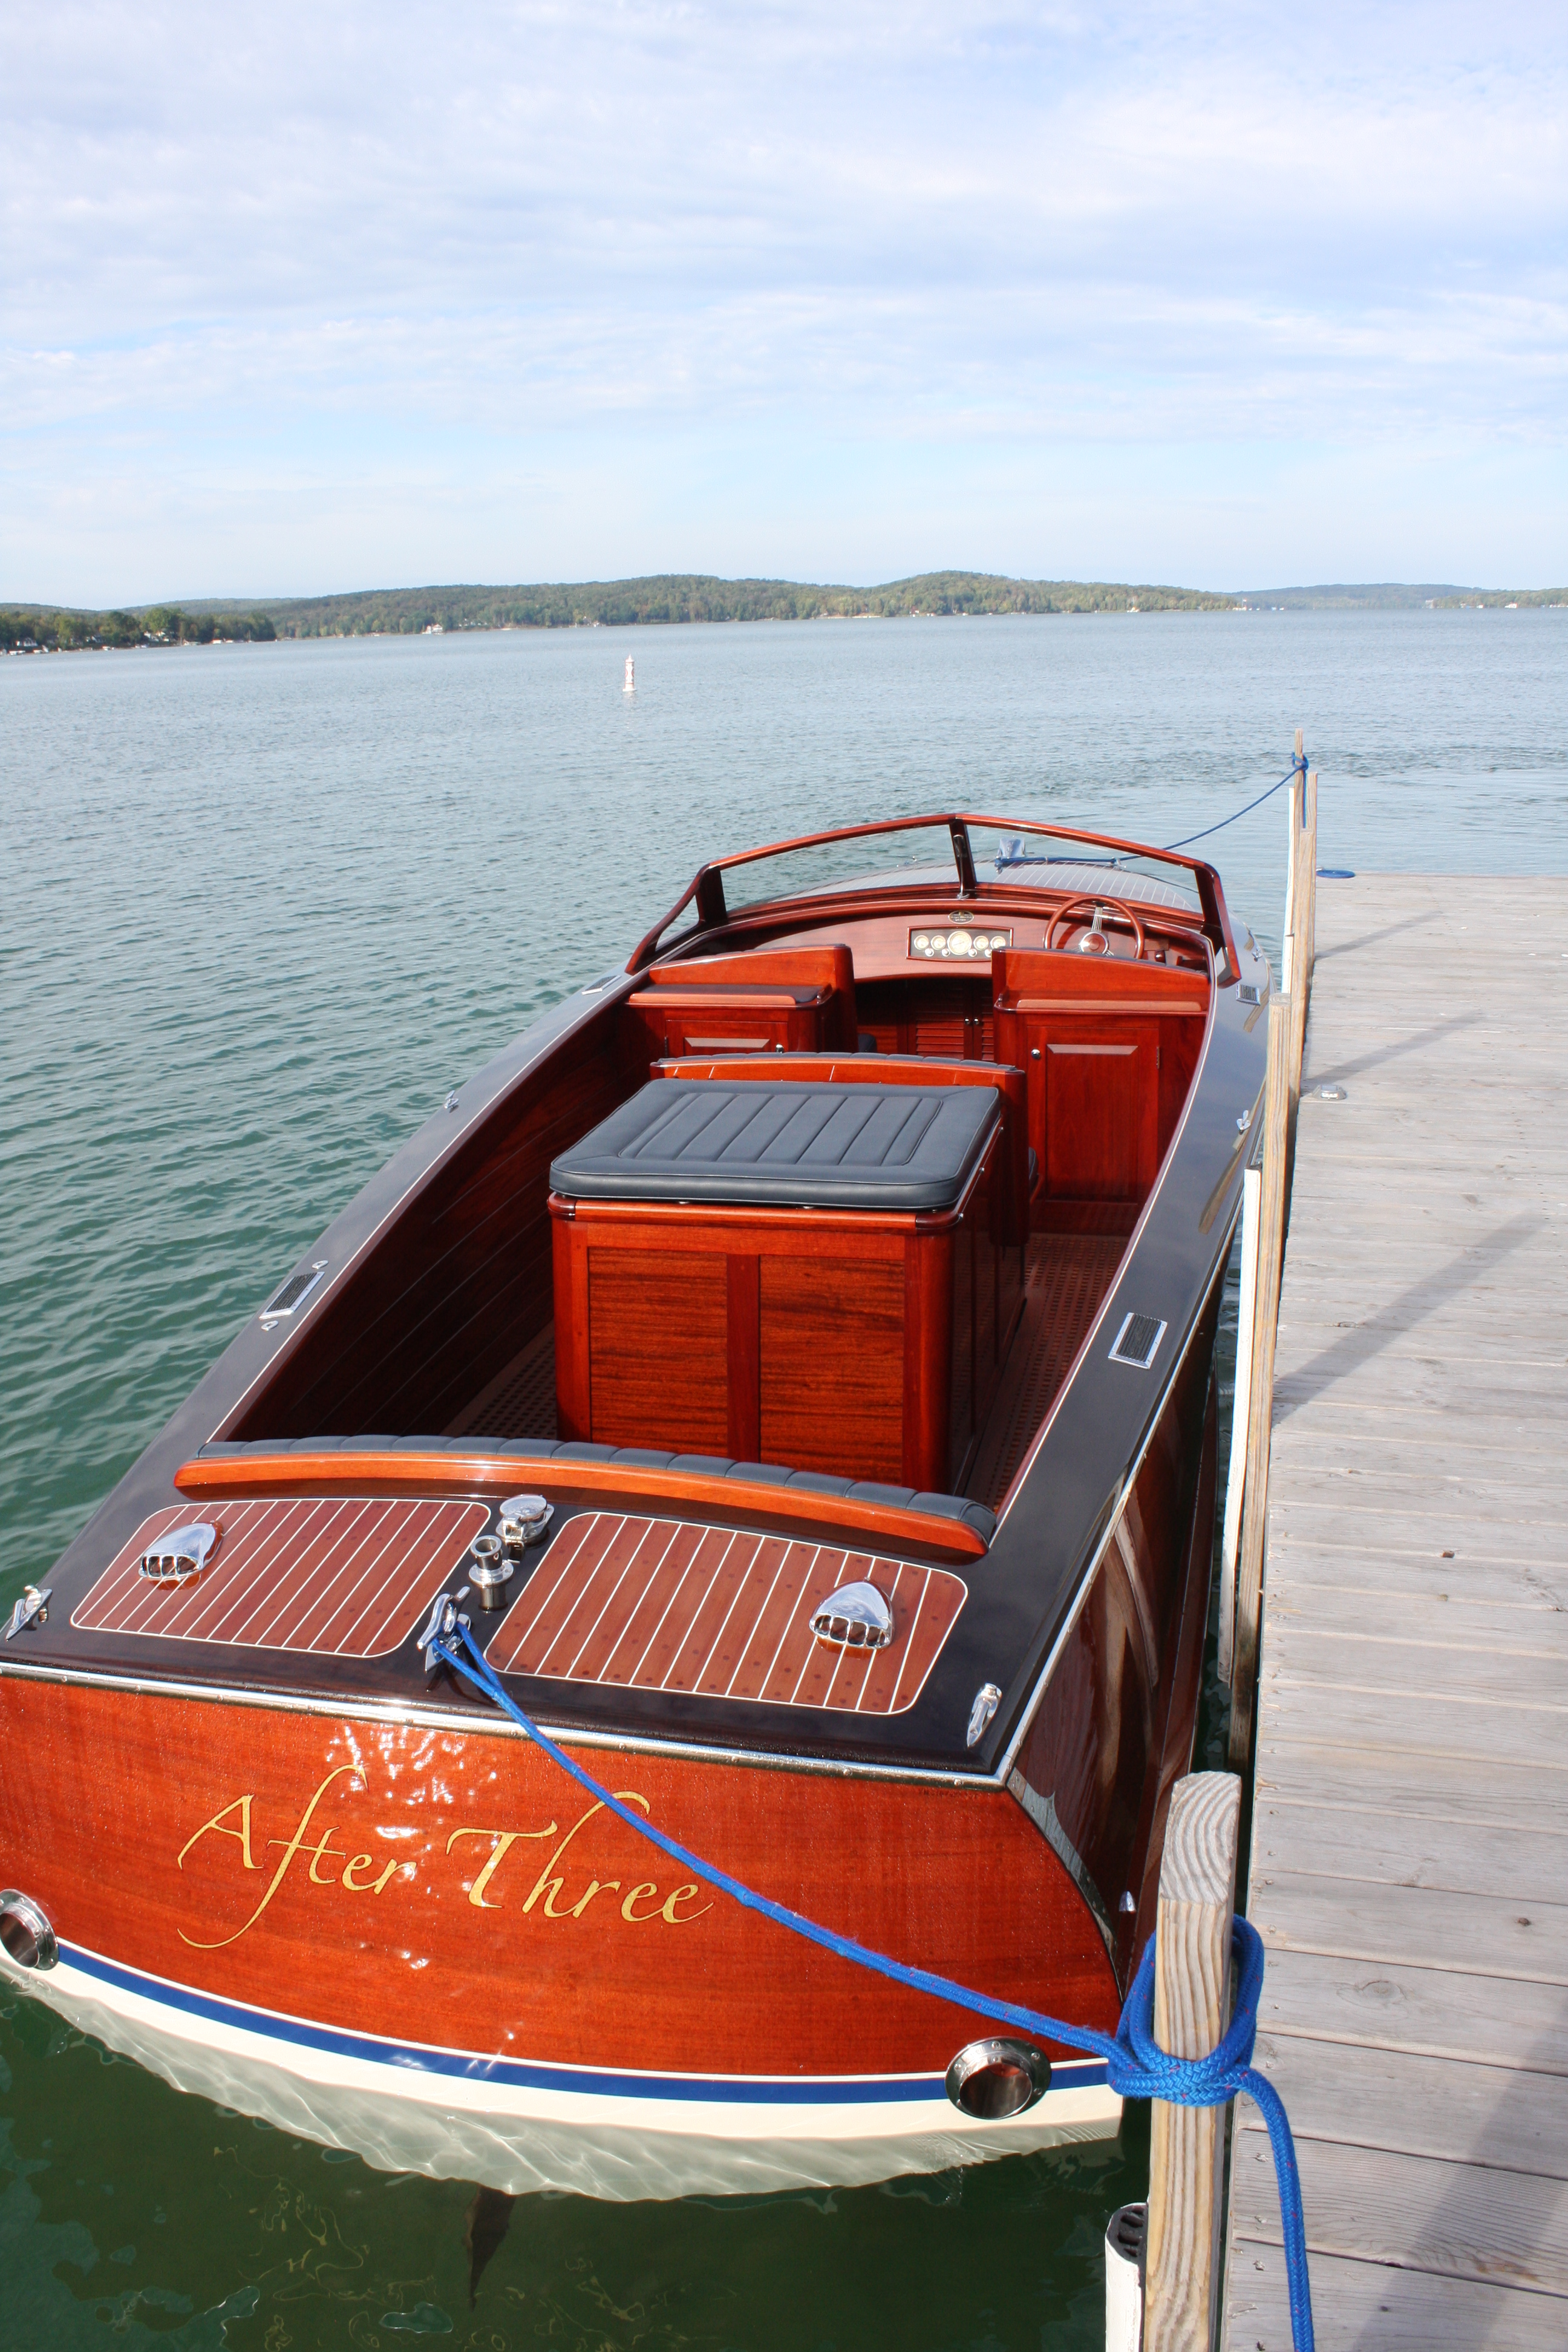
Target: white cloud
(397, 243)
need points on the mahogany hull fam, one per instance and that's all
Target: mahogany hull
(363, 1926)
(421, 1940)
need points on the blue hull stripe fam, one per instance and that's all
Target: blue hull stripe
(734, 2090)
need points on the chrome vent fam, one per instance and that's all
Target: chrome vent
(1137, 1341)
(179, 1557)
(1247, 994)
(294, 1293)
(856, 1617)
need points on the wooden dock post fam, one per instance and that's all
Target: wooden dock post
(1192, 2010)
(1260, 1398)
(1296, 812)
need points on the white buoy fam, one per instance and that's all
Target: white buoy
(631, 679)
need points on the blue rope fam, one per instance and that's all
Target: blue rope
(1136, 2067)
(1297, 767)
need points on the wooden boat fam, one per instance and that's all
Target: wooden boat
(795, 1356)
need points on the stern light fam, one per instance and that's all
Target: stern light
(26, 1934)
(993, 2079)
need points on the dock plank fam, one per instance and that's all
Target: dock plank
(1398, 1850)
(1501, 2116)
(1422, 1926)
(1363, 2306)
(1411, 1792)
(1456, 2220)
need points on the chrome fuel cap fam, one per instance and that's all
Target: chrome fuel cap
(490, 1571)
(524, 1520)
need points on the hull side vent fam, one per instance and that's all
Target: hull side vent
(1138, 1341)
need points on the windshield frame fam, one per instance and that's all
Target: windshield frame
(706, 888)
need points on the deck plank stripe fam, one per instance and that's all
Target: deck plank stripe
(664, 1604)
(285, 1574)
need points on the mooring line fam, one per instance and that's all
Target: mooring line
(1136, 2067)
(1297, 767)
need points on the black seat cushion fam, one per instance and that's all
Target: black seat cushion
(766, 1144)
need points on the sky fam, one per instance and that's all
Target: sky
(299, 299)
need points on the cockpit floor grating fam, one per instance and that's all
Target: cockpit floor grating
(520, 1401)
(1069, 1275)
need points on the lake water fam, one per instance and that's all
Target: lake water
(259, 908)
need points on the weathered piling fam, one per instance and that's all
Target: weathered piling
(1162, 2279)
(1192, 2010)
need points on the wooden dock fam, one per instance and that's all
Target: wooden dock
(1409, 1861)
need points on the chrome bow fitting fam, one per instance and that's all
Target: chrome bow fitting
(32, 1609)
(443, 1625)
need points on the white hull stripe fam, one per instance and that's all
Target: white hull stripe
(758, 2090)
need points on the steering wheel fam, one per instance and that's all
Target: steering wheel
(1091, 905)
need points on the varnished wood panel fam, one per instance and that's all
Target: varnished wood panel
(1100, 1112)
(832, 1365)
(658, 1352)
(827, 968)
(1031, 980)
(1068, 1280)
(653, 1604)
(534, 1964)
(1114, 1729)
(459, 1282)
(352, 1577)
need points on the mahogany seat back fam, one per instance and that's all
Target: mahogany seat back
(1108, 1046)
(787, 1000)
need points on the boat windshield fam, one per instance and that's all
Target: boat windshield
(941, 854)
(1003, 854)
(903, 853)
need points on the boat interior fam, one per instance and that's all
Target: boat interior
(979, 1083)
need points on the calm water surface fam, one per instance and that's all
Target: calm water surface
(259, 908)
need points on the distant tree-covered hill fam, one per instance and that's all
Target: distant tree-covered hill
(47, 628)
(677, 597)
(696, 596)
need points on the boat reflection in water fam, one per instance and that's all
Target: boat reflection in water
(795, 1354)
